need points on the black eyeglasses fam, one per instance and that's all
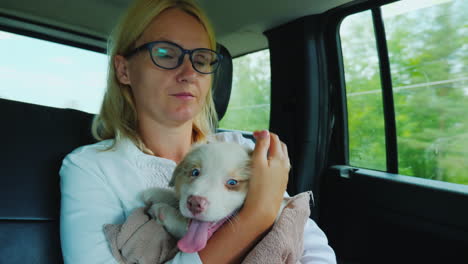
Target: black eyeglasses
(168, 55)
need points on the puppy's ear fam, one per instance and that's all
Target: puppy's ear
(186, 164)
(179, 171)
(172, 181)
(249, 150)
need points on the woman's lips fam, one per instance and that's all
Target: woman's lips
(184, 96)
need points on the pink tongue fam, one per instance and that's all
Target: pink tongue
(197, 235)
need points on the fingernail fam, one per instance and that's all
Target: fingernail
(256, 134)
(261, 134)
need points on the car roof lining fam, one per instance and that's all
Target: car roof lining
(240, 28)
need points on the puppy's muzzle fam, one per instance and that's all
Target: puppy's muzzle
(197, 204)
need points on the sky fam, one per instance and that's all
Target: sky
(405, 6)
(47, 73)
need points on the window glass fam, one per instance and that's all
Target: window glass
(366, 130)
(249, 105)
(428, 52)
(428, 49)
(51, 74)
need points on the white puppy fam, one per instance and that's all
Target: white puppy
(210, 185)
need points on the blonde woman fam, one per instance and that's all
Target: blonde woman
(157, 104)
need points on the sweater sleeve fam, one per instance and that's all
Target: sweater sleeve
(87, 202)
(316, 248)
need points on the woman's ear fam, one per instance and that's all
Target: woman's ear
(121, 69)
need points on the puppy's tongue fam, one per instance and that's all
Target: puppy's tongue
(197, 235)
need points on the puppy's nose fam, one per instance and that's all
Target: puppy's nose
(197, 204)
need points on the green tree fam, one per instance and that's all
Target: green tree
(249, 106)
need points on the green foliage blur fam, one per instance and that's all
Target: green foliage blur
(249, 105)
(428, 51)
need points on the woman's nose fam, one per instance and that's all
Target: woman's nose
(187, 72)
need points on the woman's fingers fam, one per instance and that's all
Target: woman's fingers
(284, 148)
(261, 146)
(285, 152)
(269, 147)
(275, 150)
(278, 151)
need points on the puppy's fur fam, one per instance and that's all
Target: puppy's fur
(218, 172)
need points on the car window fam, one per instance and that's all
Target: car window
(249, 105)
(428, 59)
(364, 95)
(47, 73)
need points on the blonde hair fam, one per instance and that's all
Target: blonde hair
(118, 118)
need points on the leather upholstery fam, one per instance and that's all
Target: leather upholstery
(35, 140)
(222, 83)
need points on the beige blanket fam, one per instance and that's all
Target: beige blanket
(142, 240)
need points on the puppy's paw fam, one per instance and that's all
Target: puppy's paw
(170, 218)
(161, 211)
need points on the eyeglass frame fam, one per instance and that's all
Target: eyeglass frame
(149, 46)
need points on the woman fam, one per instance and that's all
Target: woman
(157, 104)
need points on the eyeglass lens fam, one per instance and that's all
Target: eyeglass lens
(169, 56)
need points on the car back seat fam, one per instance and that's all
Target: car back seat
(35, 141)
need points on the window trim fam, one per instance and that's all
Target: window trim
(51, 33)
(391, 146)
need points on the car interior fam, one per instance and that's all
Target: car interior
(369, 216)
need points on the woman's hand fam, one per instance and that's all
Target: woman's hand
(270, 170)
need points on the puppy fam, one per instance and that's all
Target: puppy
(210, 185)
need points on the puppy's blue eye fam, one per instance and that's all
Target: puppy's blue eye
(195, 172)
(232, 182)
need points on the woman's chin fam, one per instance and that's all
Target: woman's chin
(184, 116)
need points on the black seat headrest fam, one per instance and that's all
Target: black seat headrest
(36, 139)
(222, 82)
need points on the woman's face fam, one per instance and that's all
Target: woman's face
(168, 97)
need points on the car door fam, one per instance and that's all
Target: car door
(371, 99)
